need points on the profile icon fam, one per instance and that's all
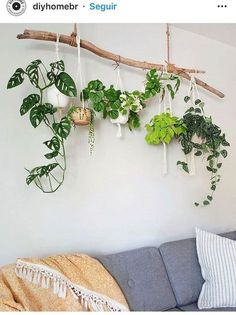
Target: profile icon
(16, 7)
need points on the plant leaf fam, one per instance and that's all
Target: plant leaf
(28, 103)
(53, 144)
(65, 84)
(51, 155)
(33, 72)
(30, 178)
(36, 116)
(59, 65)
(16, 79)
(62, 128)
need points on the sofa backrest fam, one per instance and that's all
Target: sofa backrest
(142, 277)
(183, 269)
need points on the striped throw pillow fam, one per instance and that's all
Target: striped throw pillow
(217, 258)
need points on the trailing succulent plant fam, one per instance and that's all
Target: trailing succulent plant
(111, 102)
(48, 178)
(207, 139)
(163, 128)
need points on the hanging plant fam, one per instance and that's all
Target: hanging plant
(156, 84)
(163, 128)
(79, 116)
(112, 102)
(83, 116)
(48, 178)
(207, 139)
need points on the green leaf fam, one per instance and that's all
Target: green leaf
(96, 97)
(98, 107)
(48, 108)
(213, 187)
(184, 166)
(53, 144)
(224, 153)
(33, 72)
(36, 116)
(59, 65)
(206, 202)
(198, 110)
(186, 99)
(51, 155)
(28, 103)
(62, 128)
(198, 153)
(210, 198)
(16, 79)
(209, 168)
(196, 204)
(43, 170)
(65, 84)
(113, 113)
(30, 178)
(219, 165)
(197, 102)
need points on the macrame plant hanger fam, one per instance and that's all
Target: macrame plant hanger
(121, 119)
(193, 94)
(166, 102)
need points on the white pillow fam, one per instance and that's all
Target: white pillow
(217, 258)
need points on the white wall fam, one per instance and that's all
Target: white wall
(117, 199)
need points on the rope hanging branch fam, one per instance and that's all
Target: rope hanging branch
(69, 40)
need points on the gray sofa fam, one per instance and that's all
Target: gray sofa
(167, 278)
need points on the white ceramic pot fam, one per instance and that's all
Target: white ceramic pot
(56, 98)
(121, 119)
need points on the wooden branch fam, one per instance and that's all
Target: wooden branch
(69, 40)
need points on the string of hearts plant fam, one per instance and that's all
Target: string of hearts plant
(48, 178)
(202, 135)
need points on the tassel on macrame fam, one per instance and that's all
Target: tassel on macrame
(48, 278)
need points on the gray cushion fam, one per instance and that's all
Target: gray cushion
(142, 277)
(183, 269)
(193, 308)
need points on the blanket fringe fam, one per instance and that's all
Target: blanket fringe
(49, 278)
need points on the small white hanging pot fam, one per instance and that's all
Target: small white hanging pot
(120, 120)
(81, 116)
(56, 98)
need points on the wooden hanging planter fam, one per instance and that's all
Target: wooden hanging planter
(81, 116)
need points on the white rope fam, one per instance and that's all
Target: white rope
(57, 47)
(193, 94)
(119, 85)
(47, 277)
(79, 70)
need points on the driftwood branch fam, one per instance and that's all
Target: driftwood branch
(70, 40)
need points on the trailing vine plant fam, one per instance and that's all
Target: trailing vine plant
(48, 178)
(110, 102)
(207, 139)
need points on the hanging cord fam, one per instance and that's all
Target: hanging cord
(79, 77)
(57, 47)
(193, 94)
(167, 107)
(119, 85)
(57, 59)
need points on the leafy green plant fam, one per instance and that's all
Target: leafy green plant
(156, 84)
(207, 139)
(163, 128)
(111, 102)
(46, 177)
